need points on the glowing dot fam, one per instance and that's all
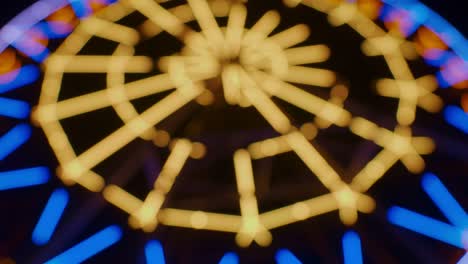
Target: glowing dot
(162, 138)
(198, 220)
(206, 98)
(198, 150)
(309, 130)
(300, 211)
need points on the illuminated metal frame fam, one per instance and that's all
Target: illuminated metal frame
(348, 199)
(387, 87)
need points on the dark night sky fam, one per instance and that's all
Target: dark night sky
(450, 9)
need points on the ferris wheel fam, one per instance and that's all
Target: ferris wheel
(227, 131)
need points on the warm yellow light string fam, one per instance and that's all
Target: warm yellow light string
(251, 86)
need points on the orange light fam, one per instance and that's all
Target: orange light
(8, 61)
(371, 8)
(426, 39)
(461, 85)
(97, 4)
(65, 15)
(464, 102)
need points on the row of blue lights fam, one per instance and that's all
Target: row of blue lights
(23, 76)
(351, 244)
(451, 234)
(444, 200)
(455, 233)
(422, 15)
(50, 217)
(9, 143)
(89, 247)
(426, 226)
(352, 252)
(27, 19)
(434, 21)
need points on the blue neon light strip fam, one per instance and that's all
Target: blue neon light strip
(14, 108)
(426, 226)
(352, 252)
(453, 38)
(89, 247)
(23, 178)
(417, 13)
(13, 139)
(80, 7)
(54, 30)
(27, 75)
(50, 217)
(154, 253)
(444, 200)
(443, 83)
(438, 58)
(463, 260)
(229, 258)
(284, 256)
(458, 118)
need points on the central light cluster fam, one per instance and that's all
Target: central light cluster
(246, 59)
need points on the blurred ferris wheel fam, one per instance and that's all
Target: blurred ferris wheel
(237, 117)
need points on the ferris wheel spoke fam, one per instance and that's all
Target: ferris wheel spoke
(251, 228)
(200, 220)
(304, 100)
(307, 54)
(400, 142)
(205, 18)
(310, 76)
(291, 36)
(374, 170)
(267, 108)
(97, 64)
(146, 216)
(299, 211)
(161, 17)
(111, 31)
(315, 161)
(235, 28)
(100, 99)
(124, 135)
(267, 23)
